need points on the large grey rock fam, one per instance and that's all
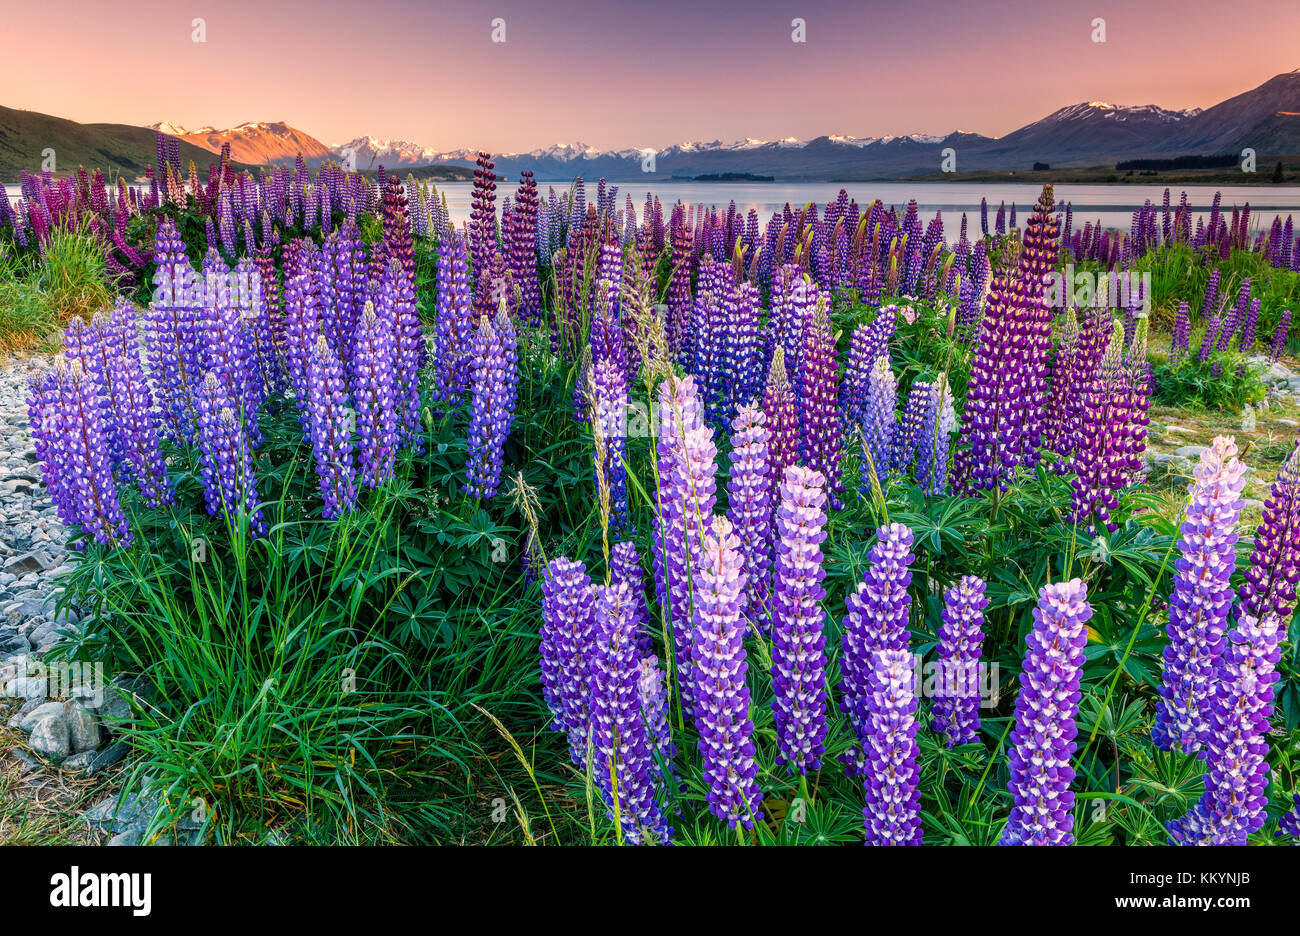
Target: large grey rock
(131, 837)
(83, 730)
(50, 737)
(27, 687)
(136, 810)
(112, 707)
(28, 721)
(107, 757)
(1191, 451)
(38, 560)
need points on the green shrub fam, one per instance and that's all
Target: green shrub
(1226, 382)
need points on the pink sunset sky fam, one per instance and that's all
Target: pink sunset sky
(634, 74)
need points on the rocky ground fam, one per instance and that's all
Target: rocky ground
(59, 757)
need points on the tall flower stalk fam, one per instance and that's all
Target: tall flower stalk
(798, 638)
(1046, 707)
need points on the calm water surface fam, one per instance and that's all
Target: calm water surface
(1112, 205)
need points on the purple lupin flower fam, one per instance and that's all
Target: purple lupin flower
(372, 383)
(1182, 336)
(906, 437)
(623, 767)
(1236, 776)
(493, 390)
(1046, 706)
(397, 294)
(890, 776)
(1289, 822)
(818, 413)
(173, 333)
(877, 619)
(719, 668)
(782, 423)
(1280, 335)
(567, 644)
(798, 638)
(455, 326)
(879, 419)
(132, 408)
(686, 499)
(653, 689)
(749, 506)
(331, 431)
(1201, 599)
(225, 460)
(68, 435)
(932, 446)
(609, 381)
(954, 712)
(625, 566)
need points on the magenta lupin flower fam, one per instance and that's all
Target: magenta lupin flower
(722, 696)
(954, 712)
(1201, 599)
(798, 637)
(1046, 707)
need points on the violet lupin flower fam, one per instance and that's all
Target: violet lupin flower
(893, 800)
(686, 499)
(331, 431)
(455, 324)
(493, 390)
(722, 696)
(1280, 336)
(954, 712)
(1201, 599)
(609, 382)
(932, 446)
(138, 424)
(372, 382)
(397, 294)
(623, 766)
(1179, 345)
(906, 437)
(1046, 706)
(625, 566)
(1236, 776)
(653, 688)
(818, 413)
(567, 644)
(172, 336)
(798, 637)
(69, 438)
(225, 461)
(782, 422)
(749, 506)
(878, 423)
(877, 619)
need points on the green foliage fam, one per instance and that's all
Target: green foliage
(1227, 382)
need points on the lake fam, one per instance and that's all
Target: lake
(1112, 205)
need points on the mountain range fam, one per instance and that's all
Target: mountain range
(1092, 133)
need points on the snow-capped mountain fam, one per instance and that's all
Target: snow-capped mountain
(1089, 133)
(255, 142)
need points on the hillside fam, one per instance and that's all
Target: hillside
(118, 149)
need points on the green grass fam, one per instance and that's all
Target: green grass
(39, 297)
